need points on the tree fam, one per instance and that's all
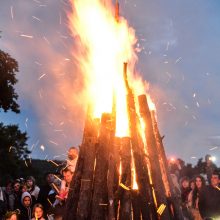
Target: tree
(13, 150)
(8, 97)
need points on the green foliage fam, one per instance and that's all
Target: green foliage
(13, 150)
(8, 97)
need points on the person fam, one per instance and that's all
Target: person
(38, 212)
(194, 197)
(185, 190)
(3, 202)
(209, 167)
(11, 215)
(33, 189)
(67, 178)
(26, 206)
(209, 199)
(47, 193)
(72, 158)
(16, 195)
(9, 195)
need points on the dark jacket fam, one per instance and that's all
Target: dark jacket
(209, 202)
(26, 212)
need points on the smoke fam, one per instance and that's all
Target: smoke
(49, 86)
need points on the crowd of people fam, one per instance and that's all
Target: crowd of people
(23, 199)
(200, 193)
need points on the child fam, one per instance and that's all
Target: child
(38, 212)
(12, 215)
(26, 203)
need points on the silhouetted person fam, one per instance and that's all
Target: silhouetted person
(209, 198)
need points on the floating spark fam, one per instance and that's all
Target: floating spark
(39, 64)
(48, 42)
(41, 76)
(27, 36)
(178, 60)
(12, 13)
(38, 19)
(53, 142)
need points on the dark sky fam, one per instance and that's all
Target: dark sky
(180, 59)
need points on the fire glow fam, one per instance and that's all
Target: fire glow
(104, 44)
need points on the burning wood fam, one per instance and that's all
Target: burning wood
(122, 172)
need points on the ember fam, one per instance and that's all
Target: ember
(122, 170)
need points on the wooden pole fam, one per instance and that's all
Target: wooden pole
(138, 154)
(90, 143)
(125, 184)
(169, 187)
(89, 136)
(153, 157)
(100, 193)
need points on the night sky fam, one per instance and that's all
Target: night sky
(180, 58)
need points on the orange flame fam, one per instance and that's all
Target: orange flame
(103, 45)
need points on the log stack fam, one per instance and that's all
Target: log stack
(103, 184)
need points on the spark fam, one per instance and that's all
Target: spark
(29, 157)
(27, 36)
(41, 76)
(57, 177)
(46, 40)
(38, 19)
(53, 162)
(37, 1)
(194, 117)
(213, 148)
(39, 64)
(178, 60)
(168, 44)
(49, 201)
(61, 123)
(197, 104)
(60, 18)
(58, 130)
(40, 94)
(32, 147)
(67, 59)
(10, 148)
(12, 13)
(53, 142)
(26, 163)
(42, 147)
(165, 62)
(194, 95)
(193, 157)
(26, 122)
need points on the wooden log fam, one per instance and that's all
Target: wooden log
(125, 185)
(153, 157)
(90, 131)
(90, 143)
(136, 209)
(73, 195)
(138, 154)
(100, 194)
(112, 169)
(175, 201)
